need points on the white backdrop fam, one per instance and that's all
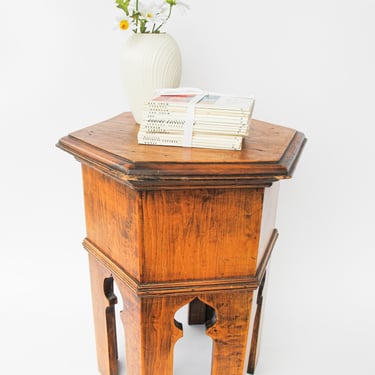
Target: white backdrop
(310, 66)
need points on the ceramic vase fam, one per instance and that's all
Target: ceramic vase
(150, 62)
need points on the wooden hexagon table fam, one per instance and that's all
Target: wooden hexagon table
(174, 226)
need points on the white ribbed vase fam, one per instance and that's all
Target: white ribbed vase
(150, 62)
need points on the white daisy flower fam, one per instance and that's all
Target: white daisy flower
(152, 11)
(146, 16)
(124, 22)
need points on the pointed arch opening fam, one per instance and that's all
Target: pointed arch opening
(119, 329)
(193, 352)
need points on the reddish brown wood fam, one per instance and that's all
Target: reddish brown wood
(230, 330)
(175, 225)
(104, 302)
(255, 337)
(269, 153)
(197, 312)
(115, 230)
(151, 331)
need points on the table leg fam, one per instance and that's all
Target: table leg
(199, 312)
(255, 337)
(104, 301)
(230, 330)
(150, 331)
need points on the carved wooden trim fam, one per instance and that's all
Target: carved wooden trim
(184, 287)
(270, 153)
(266, 256)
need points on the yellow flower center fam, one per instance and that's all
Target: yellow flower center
(124, 24)
(149, 15)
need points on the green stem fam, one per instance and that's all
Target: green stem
(136, 9)
(168, 17)
(170, 12)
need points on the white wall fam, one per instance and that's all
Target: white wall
(310, 66)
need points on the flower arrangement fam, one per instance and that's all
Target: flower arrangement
(147, 16)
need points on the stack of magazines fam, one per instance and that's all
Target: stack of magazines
(196, 119)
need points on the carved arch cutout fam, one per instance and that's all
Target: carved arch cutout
(108, 290)
(201, 313)
(110, 314)
(193, 351)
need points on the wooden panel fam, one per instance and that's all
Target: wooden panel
(200, 234)
(112, 219)
(150, 332)
(230, 331)
(268, 218)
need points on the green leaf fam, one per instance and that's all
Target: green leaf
(121, 4)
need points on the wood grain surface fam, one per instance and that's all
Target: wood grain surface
(175, 226)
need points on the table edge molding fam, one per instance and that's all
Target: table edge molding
(184, 287)
(155, 175)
